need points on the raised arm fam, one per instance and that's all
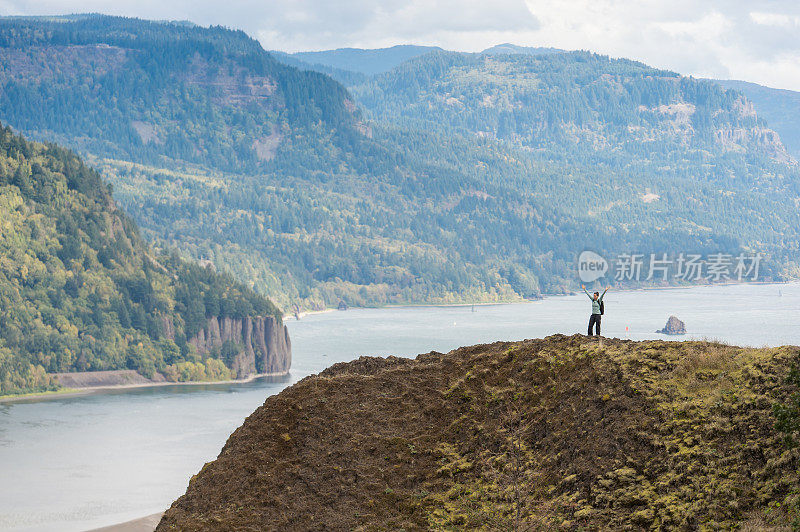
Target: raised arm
(604, 293)
(586, 292)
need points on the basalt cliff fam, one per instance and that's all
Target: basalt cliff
(262, 343)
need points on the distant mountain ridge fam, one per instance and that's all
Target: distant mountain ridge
(365, 61)
(345, 77)
(596, 92)
(780, 107)
(353, 65)
(509, 49)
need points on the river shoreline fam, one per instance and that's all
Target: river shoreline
(74, 391)
(544, 297)
(88, 390)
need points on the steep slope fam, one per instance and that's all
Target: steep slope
(80, 290)
(779, 107)
(539, 434)
(161, 92)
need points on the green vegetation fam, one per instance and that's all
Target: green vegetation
(81, 291)
(787, 421)
(788, 415)
(555, 433)
(150, 90)
(475, 177)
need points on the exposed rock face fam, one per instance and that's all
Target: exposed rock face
(266, 347)
(739, 138)
(673, 326)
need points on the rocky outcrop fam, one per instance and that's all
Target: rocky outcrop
(673, 326)
(738, 138)
(263, 340)
(379, 443)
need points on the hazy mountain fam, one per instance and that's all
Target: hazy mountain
(364, 61)
(345, 77)
(779, 107)
(80, 290)
(351, 66)
(511, 49)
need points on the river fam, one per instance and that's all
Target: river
(74, 463)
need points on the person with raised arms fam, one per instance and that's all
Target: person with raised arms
(597, 309)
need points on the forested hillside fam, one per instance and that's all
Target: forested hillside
(623, 144)
(79, 288)
(160, 92)
(578, 105)
(452, 178)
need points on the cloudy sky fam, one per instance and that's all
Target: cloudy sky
(752, 40)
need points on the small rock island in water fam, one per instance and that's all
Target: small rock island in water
(673, 326)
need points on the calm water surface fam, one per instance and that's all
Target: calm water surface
(83, 462)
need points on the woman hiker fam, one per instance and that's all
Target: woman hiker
(597, 310)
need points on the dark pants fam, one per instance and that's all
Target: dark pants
(594, 320)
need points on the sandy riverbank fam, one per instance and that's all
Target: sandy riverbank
(303, 314)
(84, 384)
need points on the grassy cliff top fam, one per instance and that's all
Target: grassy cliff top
(554, 432)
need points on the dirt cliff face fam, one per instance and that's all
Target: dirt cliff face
(555, 433)
(264, 341)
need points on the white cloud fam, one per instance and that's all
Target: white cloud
(381, 22)
(775, 19)
(716, 38)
